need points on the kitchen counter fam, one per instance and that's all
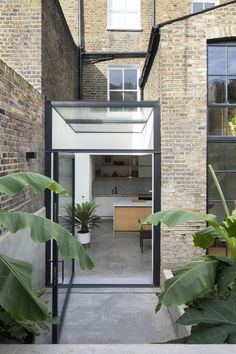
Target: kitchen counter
(130, 203)
(128, 213)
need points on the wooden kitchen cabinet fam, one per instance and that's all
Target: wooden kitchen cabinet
(126, 218)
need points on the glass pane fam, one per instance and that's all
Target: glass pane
(232, 90)
(132, 20)
(216, 60)
(132, 4)
(208, 5)
(116, 96)
(212, 190)
(130, 79)
(231, 153)
(116, 19)
(231, 186)
(197, 6)
(217, 209)
(116, 79)
(216, 89)
(216, 155)
(232, 60)
(117, 4)
(231, 129)
(130, 96)
(216, 121)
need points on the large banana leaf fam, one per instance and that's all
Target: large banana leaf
(43, 230)
(209, 334)
(175, 217)
(13, 184)
(226, 278)
(211, 311)
(206, 237)
(16, 296)
(189, 282)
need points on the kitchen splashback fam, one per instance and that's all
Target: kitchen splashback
(127, 186)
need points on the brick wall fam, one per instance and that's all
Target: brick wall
(95, 77)
(98, 38)
(179, 79)
(171, 9)
(21, 130)
(71, 12)
(20, 38)
(59, 55)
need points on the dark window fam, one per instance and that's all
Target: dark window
(222, 89)
(222, 125)
(203, 5)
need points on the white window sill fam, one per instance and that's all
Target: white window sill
(138, 29)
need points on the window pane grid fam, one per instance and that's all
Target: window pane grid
(128, 76)
(221, 90)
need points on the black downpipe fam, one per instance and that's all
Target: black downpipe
(80, 51)
(154, 13)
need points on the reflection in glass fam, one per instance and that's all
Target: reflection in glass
(216, 121)
(115, 79)
(216, 60)
(212, 190)
(130, 79)
(209, 5)
(231, 186)
(116, 96)
(216, 89)
(217, 155)
(231, 130)
(232, 90)
(130, 96)
(197, 7)
(231, 154)
(232, 60)
(217, 209)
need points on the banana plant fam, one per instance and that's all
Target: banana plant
(16, 294)
(208, 286)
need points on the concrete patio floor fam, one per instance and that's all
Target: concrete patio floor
(114, 316)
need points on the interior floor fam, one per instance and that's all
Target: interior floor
(117, 258)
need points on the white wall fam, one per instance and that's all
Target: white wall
(83, 178)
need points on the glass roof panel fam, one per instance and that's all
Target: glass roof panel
(120, 119)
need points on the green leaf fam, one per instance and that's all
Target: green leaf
(178, 217)
(205, 238)
(208, 334)
(43, 230)
(16, 296)
(212, 311)
(226, 278)
(14, 183)
(189, 282)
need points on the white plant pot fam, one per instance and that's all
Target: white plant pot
(83, 238)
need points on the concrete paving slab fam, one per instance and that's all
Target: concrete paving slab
(118, 349)
(121, 317)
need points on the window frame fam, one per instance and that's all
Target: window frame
(123, 67)
(111, 27)
(204, 2)
(220, 139)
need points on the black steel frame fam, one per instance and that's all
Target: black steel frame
(52, 156)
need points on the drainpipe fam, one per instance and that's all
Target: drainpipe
(80, 52)
(154, 12)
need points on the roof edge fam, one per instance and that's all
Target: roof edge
(154, 40)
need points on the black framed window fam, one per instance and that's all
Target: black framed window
(222, 89)
(222, 124)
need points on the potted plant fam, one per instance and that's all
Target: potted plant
(84, 221)
(206, 287)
